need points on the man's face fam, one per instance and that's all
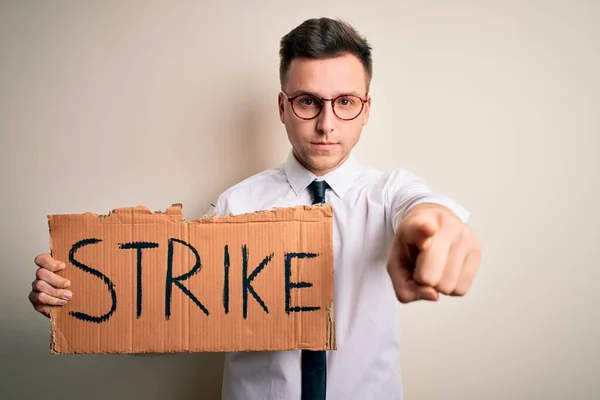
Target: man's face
(323, 143)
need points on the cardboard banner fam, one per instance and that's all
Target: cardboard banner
(147, 282)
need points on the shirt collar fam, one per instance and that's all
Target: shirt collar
(340, 179)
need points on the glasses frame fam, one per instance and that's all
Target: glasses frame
(322, 101)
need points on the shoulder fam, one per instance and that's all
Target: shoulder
(248, 188)
(394, 184)
(390, 180)
(385, 182)
(405, 189)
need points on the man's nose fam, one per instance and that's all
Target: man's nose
(326, 119)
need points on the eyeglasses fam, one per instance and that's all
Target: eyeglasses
(308, 106)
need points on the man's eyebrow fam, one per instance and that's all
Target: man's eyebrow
(300, 92)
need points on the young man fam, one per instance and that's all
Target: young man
(394, 239)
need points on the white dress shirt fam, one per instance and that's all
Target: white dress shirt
(368, 205)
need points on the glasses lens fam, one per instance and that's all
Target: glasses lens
(307, 106)
(347, 107)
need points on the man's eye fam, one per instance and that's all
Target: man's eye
(307, 101)
(345, 101)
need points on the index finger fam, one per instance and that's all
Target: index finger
(431, 262)
(47, 262)
(419, 232)
(400, 272)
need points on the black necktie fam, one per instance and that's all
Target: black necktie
(317, 189)
(313, 364)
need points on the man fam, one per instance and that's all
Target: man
(394, 239)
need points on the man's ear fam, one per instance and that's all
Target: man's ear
(281, 104)
(367, 111)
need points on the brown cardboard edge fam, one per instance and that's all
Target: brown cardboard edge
(175, 212)
(51, 321)
(53, 335)
(68, 351)
(52, 318)
(331, 343)
(290, 213)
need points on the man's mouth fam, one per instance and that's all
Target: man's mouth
(323, 145)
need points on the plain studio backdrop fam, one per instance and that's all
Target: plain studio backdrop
(497, 104)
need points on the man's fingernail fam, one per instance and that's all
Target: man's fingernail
(62, 266)
(62, 302)
(67, 284)
(67, 295)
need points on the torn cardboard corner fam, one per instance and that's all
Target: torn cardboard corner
(147, 282)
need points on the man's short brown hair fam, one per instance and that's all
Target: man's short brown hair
(322, 38)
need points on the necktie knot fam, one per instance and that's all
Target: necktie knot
(318, 188)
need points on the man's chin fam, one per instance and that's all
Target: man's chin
(324, 164)
(319, 162)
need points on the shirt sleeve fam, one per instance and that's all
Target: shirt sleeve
(219, 207)
(213, 210)
(406, 190)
